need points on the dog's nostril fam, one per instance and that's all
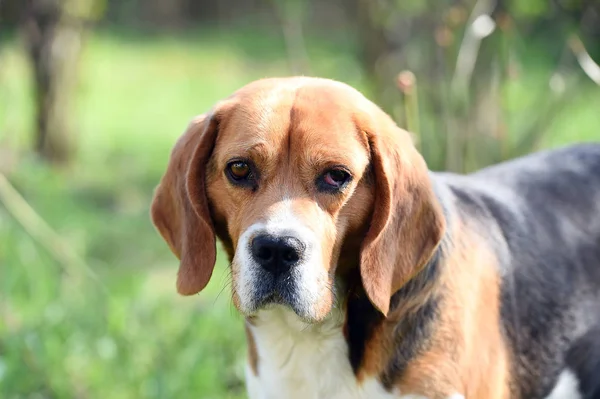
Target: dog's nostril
(264, 253)
(290, 255)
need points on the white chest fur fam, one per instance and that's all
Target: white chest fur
(303, 361)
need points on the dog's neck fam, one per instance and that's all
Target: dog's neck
(324, 359)
(299, 359)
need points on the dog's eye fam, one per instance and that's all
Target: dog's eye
(334, 179)
(239, 170)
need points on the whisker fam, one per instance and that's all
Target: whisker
(227, 284)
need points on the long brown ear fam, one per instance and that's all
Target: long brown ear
(407, 222)
(180, 207)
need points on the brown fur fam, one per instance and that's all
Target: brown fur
(468, 353)
(252, 352)
(390, 203)
(407, 222)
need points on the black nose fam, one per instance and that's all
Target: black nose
(277, 254)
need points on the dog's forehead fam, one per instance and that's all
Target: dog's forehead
(318, 116)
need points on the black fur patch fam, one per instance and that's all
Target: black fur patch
(410, 335)
(411, 338)
(546, 208)
(584, 360)
(361, 320)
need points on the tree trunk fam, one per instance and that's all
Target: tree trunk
(54, 43)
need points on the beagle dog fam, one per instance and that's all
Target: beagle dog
(363, 275)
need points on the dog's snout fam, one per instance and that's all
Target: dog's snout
(277, 254)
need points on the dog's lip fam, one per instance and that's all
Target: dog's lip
(272, 298)
(277, 290)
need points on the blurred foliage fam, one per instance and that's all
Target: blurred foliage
(64, 335)
(468, 58)
(132, 336)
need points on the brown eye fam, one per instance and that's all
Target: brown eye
(239, 170)
(334, 180)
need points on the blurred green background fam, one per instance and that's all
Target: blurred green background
(93, 94)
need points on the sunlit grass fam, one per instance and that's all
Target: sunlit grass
(130, 335)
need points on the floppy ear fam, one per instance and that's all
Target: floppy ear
(180, 207)
(407, 221)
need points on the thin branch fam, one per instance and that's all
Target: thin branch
(479, 26)
(291, 26)
(41, 232)
(589, 66)
(406, 82)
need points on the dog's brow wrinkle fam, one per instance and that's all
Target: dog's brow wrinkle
(292, 123)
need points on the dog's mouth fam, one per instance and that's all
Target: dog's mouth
(274, 291)
(271, 294)
(273, 298)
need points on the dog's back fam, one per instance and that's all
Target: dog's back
(542, 215)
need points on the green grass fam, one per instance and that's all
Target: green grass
(63, 338)
(130, 335)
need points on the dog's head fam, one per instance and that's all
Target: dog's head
(302, 179)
